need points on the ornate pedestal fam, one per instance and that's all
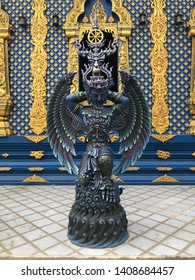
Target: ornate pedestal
(95, 221)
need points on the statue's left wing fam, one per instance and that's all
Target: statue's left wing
(63, 125)
(133, 124)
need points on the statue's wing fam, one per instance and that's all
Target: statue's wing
(134, 125)
(63, 125)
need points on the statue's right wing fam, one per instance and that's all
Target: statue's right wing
(63, 125)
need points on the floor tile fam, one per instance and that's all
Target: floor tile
(34, 221)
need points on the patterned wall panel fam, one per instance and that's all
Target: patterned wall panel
(178, 79)
(178, 46)
(19, 65)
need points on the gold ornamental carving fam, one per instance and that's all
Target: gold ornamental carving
(164, 168)
(163, 138)
(37, 154)
(36, 169)
(5, 98)
(38, 68)
(117, 179)
(63, 169)
(159, 63)
(34, 179)
(99, 12)
(5, 155)
(191, 33)
(36, 139)
(5, 169)
(163, 154)
(165, 179)
(120, 30)
(133, 168)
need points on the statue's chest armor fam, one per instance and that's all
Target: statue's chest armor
(97, 117)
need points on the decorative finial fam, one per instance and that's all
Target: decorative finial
(95, 23)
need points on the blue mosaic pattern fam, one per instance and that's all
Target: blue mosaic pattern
(178, 46)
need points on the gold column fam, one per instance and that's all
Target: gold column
(159, 63)
(5, 98)
(191, 33)
(38, 68)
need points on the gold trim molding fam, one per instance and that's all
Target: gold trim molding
(38, 68)
(75, 31)
(165, 179)
(159, 64)
(191, 33)
(163, 138)
(34, 179)
(5, 98)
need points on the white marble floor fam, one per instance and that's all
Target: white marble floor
(34, 220)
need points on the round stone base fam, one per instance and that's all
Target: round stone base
(103, 228)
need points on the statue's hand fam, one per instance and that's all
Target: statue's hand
(113, 96)
(81, 96)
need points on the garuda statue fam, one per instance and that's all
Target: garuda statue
(97, 219)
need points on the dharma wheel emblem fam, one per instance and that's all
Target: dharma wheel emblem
(95, 36)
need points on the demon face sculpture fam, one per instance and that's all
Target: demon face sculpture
(97, 219)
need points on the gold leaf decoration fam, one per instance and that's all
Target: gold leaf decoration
(191, 33)
(165, 179)
(36, 169)
(38, 68)
(34, 179)
(111, 19)
(164, 168)
(133, 168)
(163, 138)
(37, 154)
(3, 169)
(192, 168)
(99, 12)
(163, 154)
(36, 139)
(85, 19)
(62, 169)
(159, 63)
(116, 178)
(6, 155)
(5, 98)
(114, 138)
(193, 154)
(82, 138)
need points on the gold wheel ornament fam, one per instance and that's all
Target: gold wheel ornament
(95, 36)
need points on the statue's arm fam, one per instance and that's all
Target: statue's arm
(73, 100)
(121, 101)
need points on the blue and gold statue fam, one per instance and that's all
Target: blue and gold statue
(97, 219)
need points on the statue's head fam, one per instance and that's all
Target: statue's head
(97, 76)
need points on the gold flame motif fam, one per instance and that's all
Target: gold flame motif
(38, 68)
(159, 63)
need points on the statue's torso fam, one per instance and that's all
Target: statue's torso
(97, 122)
